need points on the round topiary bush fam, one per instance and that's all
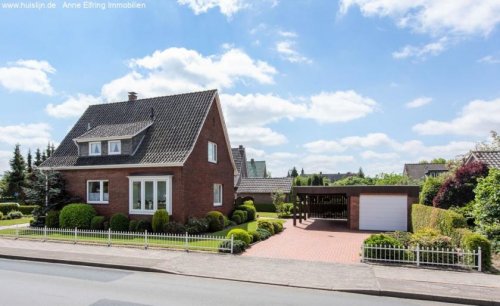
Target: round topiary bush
(160, 218)
(215, 221)
(76, 215)
(264, 234)
(250, 210)
(97, 223)
(238, 247)
(119, 222)
(255, 235)
(143, 225)
(132, 226)
(267, 225)
(240, 234)
(236, 218)
(277, 226)
(52, 219)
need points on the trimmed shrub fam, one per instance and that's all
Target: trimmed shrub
(267, 207)
(277, 226)
(143, 225)
(160, 218)
(403, 237)
(431, 238)
(27, 209)
(6, 208)
(97, 223)
(238, 246)
(14, 214)
(472, 241)
(236, 218)
(240, 234)
(383, 240)
(255, 235)
(132, 226)
(174, 228)
(52, 219)
(248, 202)
(445, 221)
(215, 221)
(487, 200)
(77, 215)
(197, 226)
(267, 225)
(227, 222)
(239, 216)
(250, 210)
(119, 222)
(264, 234)
(430, 189)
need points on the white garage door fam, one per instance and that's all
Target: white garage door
(383, 212)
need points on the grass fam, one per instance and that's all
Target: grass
(248, 226)
(15, 221)
(267, 215)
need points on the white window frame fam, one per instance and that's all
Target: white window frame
(212, 152)
(101, 192)
(119, 146)
(90, 148)
(221, 195)
(155, 180)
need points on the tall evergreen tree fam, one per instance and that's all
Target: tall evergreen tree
(29, 162)
(294, 172)
(361, 174)
(52, 149)
(38, 157)
(17, 174)
(48, 151)
(44, 157)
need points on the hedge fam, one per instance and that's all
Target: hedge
(215, 221)
(27, 209)
(445, 221)
(471, 241)
(119, 222)
(240, 234)
(52, 219)
(238, 246)
(97, 223)
(6, 208)
(76, 215)
(267, 225)
(265, 207)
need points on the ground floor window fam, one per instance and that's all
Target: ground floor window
(217, 195)
(150, 193)
(97, 192)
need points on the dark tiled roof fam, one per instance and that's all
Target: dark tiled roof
(178, 118)
(265, 185)
(239, 158)
(489, 158)
(419, 171)
(115, 130)
(256, 168)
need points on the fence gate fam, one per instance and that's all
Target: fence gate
(327, 206)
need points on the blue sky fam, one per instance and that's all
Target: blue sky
(323, 85)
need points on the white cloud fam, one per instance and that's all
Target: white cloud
(489, 59)
(74, 106)
(422, 52)
(418, 102)
(249, 135)
(322, 146)
(5, 156)
(340, 106)
(286, 49)
(176, 70)
(378, 155)
(27, 75)
(226, 7)
(326, 163)
(33, 135)
(370, 140)
(287, 34)
(478, 117)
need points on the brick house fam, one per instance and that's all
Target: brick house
(141, 155)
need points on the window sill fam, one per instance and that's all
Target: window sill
(97, 202)
(217, 204)
(212, 162)
(141, 212)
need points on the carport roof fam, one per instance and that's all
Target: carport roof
(410, 190)
(265, 185)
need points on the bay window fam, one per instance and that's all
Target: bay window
(97, 192)
(150, 193)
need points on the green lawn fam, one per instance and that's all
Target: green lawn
(15, 221)
(248, 226)
(267, 215)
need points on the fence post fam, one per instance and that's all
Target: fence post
(418, 255)
(232, 243)
(146, 239)
(363, 252)
(109, 237)
(45, 233)
(76, 230)
(479, 259)
(17, 231)
(186, 243)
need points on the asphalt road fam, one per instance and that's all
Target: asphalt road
(35, 284)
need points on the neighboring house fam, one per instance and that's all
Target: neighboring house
(256, 168)
(240, 160)
(260, 189)
(138, 156)
(421, 170)
(490, 158)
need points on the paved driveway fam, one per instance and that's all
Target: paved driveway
(314, 240)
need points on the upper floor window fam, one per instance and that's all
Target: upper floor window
(212, 152)
(95, 148)
(114, 147)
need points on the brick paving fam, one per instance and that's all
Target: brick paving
(313, 240)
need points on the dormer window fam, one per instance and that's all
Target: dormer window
(95, 148)
(114, 147)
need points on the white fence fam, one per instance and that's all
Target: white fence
(143, 239)
(422, 256)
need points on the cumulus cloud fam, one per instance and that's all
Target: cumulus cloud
(256, 136)
(378, 155)
(418, 102)
(315, 163)
(321, 146)
(34, 134)
(478, 117)
(74, 106)
(287, 51)
(422, 52)
(5, 156)
(489, 59)
(226, 7)
(27, 75)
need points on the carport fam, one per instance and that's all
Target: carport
(377, 208)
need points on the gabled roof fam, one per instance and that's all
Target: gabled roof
(177, 122)
(419, 171)
(114, 131)
(490, 158)
(240, 158)
(256, 168)
(265, 185)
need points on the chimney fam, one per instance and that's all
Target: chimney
(132, 96)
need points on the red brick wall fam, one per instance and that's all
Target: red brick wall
(354, 212)
(259, 198)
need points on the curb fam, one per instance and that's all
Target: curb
(387, 293)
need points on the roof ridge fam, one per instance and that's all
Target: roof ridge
(157, 97)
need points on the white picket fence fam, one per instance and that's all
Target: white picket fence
(143, 239)
(422, 256)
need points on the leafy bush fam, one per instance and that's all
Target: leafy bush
(239, 216)
(264, 234)
(14, 214)
(472, 241)
(197, 226)
(240, 234)
(403, 237)
(445, 221)
(236, 218)
(52, 219)
(160, 218)
(238, 246)
(487, 201)
(143, 225)
(458, 190)
(132, 226)
(174, 228)
(255, 235)
(97, 223)
(5, 208)
(119, 222)
(250, 210)
(492, 232)
(215, 221)
(431, 238)
(383, 240)
(227, 222)
(430, 188)
(27, 209)
(77, 215)
(248, 202)
(277, 226)
(266, 207)
(267, 225)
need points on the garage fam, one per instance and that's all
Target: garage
(383, 212)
